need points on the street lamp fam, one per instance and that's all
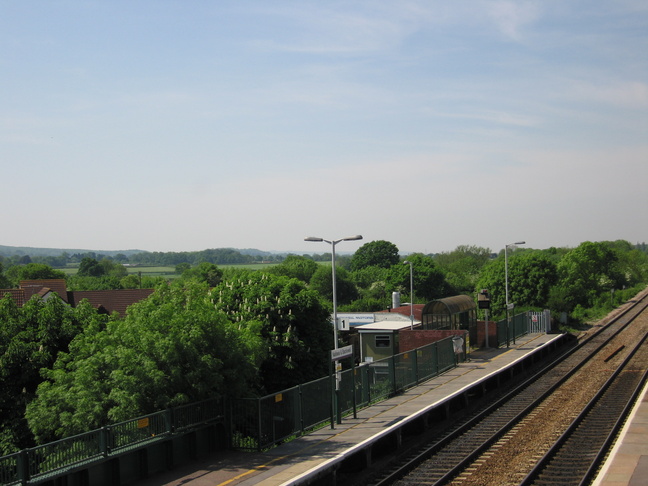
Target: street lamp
(506, 247)
(335, 401)
(333, 243)
(406, 262)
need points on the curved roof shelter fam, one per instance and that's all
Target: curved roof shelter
(457, 312)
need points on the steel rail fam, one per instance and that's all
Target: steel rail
(411, 464)
(544, 466)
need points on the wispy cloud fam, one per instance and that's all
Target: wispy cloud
(511, 17)
(622, 94)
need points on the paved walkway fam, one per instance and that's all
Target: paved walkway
(301, 457)
(627, 464)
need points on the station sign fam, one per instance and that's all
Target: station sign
(346, 320)
(341, 353)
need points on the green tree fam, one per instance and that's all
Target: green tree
(172, 348)
(288, 317)
(631, 262)
(90, 267)
(32, 271)
(130, 282)
(180, 268)
(531, 277)
(372, 285)
(322, 283)
(104, 282)
(4, 281)
(121, 258)
(298, 267)
(205, 272)
(378, 253)
(429, 280)
(584, 273)
(31, 338)
(462, 266)
(112, 268)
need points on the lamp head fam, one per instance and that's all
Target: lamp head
(313, 238)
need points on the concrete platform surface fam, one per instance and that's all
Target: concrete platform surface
(627, 464)
(289, 462)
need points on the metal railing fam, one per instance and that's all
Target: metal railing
(50, 459)
(254, 423)
(521, 324)
(259, 423)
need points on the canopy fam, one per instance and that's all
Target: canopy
(457, 312)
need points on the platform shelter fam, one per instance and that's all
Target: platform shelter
(451, 313)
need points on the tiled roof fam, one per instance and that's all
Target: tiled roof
(32, 287)
(18, 295)
(107, 301)
(110, 301)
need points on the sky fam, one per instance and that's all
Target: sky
(183, 125)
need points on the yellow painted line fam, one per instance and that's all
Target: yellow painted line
(269, 463)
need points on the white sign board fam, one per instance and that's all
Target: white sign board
(346, 320)
(341, 353)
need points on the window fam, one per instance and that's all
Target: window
(383, 341)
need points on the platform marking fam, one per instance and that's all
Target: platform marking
(266, 465)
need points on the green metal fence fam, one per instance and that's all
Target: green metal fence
(260, 423)
(254, 423)
(48, 460)
(509, 332)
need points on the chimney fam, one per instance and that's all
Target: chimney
(396, 300)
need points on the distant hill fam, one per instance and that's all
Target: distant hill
(254, 251)
(8, 251)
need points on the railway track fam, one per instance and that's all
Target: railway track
(503, 443)
(577, 455)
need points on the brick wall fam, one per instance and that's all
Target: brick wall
(481, 334)
(412, 339)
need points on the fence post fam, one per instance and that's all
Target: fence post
(104, 441)
(23, 466)
(258, 400)
(392, 360)
(169, 418)
(301, 410)
(367, 379)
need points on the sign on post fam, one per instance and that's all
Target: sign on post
(341, 353)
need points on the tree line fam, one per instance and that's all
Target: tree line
(217, 256)
(241, 332)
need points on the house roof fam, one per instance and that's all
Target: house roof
(110, 301)
(405, 310)
(18, 295)
(107, 301)
(32, 287)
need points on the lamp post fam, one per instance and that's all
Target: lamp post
(506, 247)
(335, 402)
(333, 243)
(406, 262)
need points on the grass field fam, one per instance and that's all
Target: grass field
(168, 272)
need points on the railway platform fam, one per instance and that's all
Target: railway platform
(627, 464)
(321, 453)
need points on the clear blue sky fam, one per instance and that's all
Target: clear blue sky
(185, 125)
